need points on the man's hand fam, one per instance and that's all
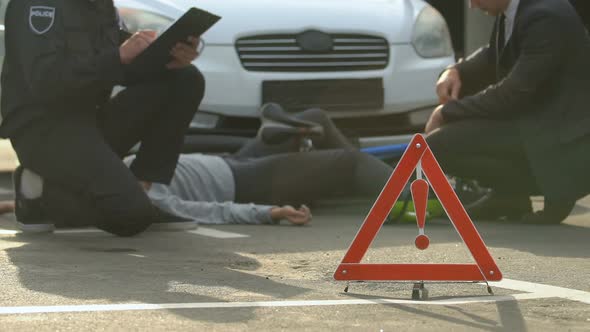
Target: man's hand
(448, 85)
(301, 216)
(136, 44)
(183, 54)
(436, 120)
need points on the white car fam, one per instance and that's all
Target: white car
(372, 64)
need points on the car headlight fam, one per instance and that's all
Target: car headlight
(136, 20)
(431, 37)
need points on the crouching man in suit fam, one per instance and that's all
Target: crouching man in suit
(515, 114)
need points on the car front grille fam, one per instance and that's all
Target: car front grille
(282, 52)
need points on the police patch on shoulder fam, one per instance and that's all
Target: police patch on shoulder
(41, 19)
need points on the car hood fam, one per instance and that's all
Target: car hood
(392, 19)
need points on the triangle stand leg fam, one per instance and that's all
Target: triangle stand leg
(419, 292)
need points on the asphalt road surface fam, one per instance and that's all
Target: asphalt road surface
(274, 278)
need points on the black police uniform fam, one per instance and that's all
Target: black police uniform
(62, 62)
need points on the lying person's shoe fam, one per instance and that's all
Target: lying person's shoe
(468, 191)
(494, 206)
(170, 222)
(29, 211)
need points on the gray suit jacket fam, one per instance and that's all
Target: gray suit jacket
(541, 81)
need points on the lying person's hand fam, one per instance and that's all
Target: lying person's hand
(301, 216)
(183, 54)
(136, 44)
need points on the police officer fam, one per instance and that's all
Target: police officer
(63, 58)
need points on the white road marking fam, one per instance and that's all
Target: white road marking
(217, 233)
(275, 304)
(136, 255)
(203, 231)
(78, 231)
(61, 231)
(548, 291)
(537, 291)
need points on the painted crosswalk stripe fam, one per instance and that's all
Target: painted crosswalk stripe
(547, 290)
(534, 291)
(202, 231)
(262, 304)
(215, 233)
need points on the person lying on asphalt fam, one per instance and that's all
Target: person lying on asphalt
(261, 182)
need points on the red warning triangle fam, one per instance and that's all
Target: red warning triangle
(418, 153)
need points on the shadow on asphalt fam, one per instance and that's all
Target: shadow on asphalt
(510, 317)
(178, 268)
(152, 268)
(184, 268)
(541, 240)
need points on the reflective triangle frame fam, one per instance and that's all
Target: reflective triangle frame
(418, 153)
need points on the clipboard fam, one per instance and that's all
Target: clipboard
(192, 23)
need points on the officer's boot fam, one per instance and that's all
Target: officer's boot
(28, 187)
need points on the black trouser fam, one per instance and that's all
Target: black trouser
(492, 152)
(78, 154)
(485, 150)
(278, 174)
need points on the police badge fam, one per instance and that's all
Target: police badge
(41, 18)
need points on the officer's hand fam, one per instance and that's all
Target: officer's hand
(136, 44)
(435, 121)
(183, 54)
(448, 86)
